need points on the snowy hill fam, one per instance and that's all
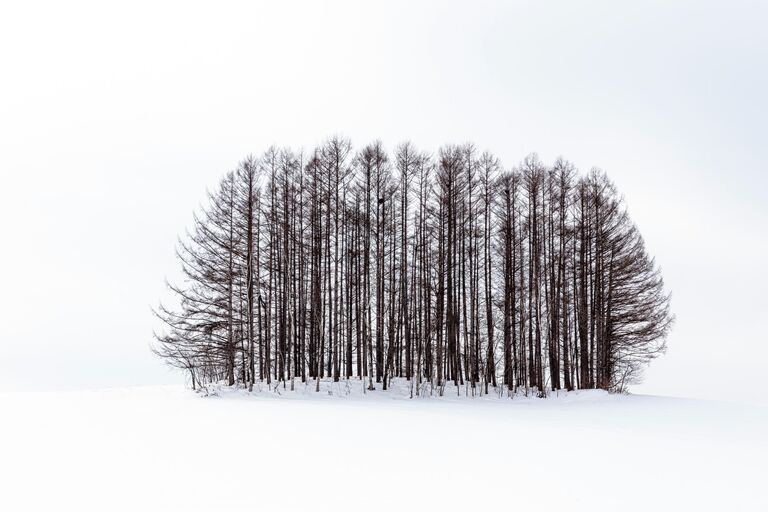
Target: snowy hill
(167, 448)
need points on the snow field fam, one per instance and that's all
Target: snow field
(167, 448)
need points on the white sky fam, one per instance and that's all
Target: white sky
(115, 119)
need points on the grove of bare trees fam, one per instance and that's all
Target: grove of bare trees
(441, 269)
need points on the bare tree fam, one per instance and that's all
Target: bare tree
(332, 267)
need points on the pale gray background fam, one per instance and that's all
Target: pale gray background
(114, 119)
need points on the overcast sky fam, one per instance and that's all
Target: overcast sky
(114, 120)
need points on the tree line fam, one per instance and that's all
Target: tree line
(442, 269)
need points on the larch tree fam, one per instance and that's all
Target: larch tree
(445, 270)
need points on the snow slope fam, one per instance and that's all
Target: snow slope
(167, 448)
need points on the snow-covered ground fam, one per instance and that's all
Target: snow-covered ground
(167, 448)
